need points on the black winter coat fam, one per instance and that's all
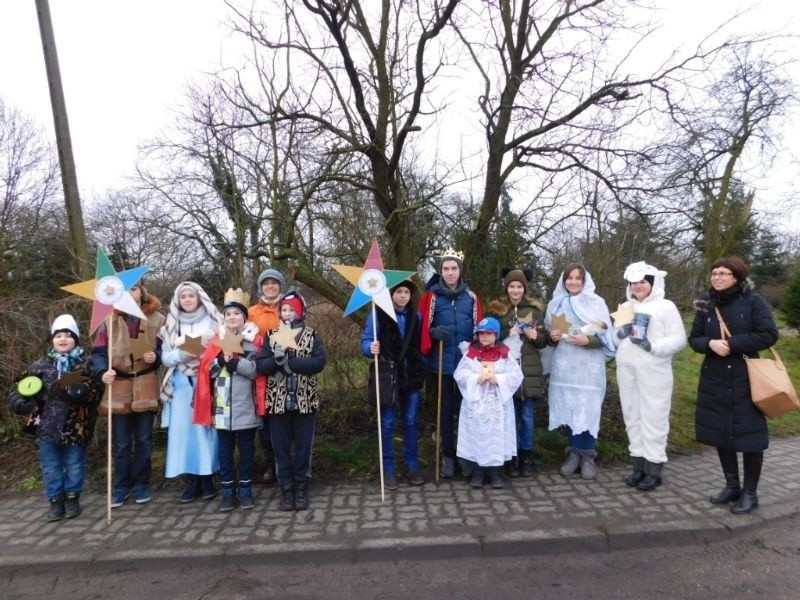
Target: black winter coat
(411, 375)
(726, 416)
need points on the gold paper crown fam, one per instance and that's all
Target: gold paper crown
(238, 296)
(452, 253)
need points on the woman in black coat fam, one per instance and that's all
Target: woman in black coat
(726, 416)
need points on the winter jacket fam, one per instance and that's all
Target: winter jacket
(295, 380)
(58, 414)
(458, 310)
(230, 395)
(137, 384)
(392, 334)
(529, 313)
(726, 416)
(266, 317)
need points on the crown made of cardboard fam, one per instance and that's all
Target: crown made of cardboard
(238, 296)
(452, 253)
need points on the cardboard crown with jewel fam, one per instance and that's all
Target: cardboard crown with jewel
(238, 299)
(452, 253)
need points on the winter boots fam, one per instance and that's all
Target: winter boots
(652, 476)
(638, 471)
(496, 477)
(72, 505)
(56, 508)
(301, 496)
(192, 489)
(730, 469)
(228, 502)
(748, 501)
(287, 498)
(525, 463)
(588, 468)
(512, 467)
(572, 463)
(477, 477)
(207, 487)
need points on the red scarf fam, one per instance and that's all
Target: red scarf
(488, 353)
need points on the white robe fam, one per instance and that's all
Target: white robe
(487, 433)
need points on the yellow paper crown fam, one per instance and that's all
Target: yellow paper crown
(238, 296)
(452, 253)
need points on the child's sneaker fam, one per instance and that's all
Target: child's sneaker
(142, 493)
(118, 499)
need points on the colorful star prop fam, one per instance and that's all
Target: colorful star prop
(109, 290)
(372, 282)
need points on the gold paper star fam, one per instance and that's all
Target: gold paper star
(285, 336)
(231, 343)
(622, 316)
(193, 345)
(72, 378)
(560, 323)
(139, 345)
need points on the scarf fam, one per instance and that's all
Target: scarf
(487, 353)
(66, 363)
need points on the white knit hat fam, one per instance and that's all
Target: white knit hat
(65, 323)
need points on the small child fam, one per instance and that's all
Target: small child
(487, 375)
(62, 415)
(230, 396)
(292, 400)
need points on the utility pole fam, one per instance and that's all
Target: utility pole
(66, 159)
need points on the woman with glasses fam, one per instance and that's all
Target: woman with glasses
(726, 417)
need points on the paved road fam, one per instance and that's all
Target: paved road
(543, 515)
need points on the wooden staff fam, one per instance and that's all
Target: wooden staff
(110, 332)
(378, 400)
(439, 411)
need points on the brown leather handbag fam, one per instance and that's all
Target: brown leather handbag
(770, 386)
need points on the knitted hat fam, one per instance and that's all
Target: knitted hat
(65, 323)
(639, 271)
(488, 324)
(521, 275)
(271, 274)
(296, 301)
(406, 283)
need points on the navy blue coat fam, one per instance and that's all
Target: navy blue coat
(726, 416)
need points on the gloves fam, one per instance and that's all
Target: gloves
(643, 344)
(22, 405)
(77, 393)
(624, 331)
(220, 360)
(442, 332)
(279, 353)
(232, 364)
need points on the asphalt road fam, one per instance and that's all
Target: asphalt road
(762, 563)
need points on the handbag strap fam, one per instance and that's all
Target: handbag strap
(723, 328)
(412, 322)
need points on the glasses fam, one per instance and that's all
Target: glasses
(720, 274)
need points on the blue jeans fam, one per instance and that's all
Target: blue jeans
(581, 441)
(63, 468)
(288, 430)
(524, 412)
(451, 407)
(228, 440)
(409, 406)
(132, 441)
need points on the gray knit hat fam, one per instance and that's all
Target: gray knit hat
(272, 274)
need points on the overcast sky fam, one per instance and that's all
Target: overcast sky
(125, 65)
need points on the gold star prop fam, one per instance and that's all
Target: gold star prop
(285, 336)
(622, 316)
(560, 323)
(71, 378)
(139, 345)
(193, 345)
(231, 343)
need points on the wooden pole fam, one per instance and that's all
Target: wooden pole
(439, 410)
(378, 401)
(109, 326)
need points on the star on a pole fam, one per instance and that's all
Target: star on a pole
(372, 282)
(109, 290)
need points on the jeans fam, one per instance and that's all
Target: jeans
(409, 407)
(451, 407)
(524, 413)
(292, 429)
(228, 440)
(582, 441)
(63, 468)
(132, 441)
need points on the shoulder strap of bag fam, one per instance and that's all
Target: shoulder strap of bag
(409, 332)
(723, 328)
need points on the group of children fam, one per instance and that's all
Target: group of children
(226, 378)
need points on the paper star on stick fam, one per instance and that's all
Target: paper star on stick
(231, 343)
(193, 345)
(71, 378)
(372, 282)
(139, 345)
(560, 323)
(109, 290)
(622, 316)
(285, 336)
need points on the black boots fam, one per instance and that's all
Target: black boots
(72, 505)
(477, 477)
(652, 476)
(496, 477)
(638, 471)
(525, 463)
(207, 487)
(748, 501)
(301, 496)
(730, 468)
(512, 467)
(192, 489)
(56, 508)
(287, 498)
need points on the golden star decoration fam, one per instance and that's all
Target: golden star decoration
(71, 378)
(285, 336)
(193, 345)
(139, 346)
(231, 343)
(560, 323)
(622, 316)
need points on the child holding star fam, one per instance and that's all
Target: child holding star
(60, 392)
(292, 398)
(230, 396)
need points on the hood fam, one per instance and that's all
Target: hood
(636, 272)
